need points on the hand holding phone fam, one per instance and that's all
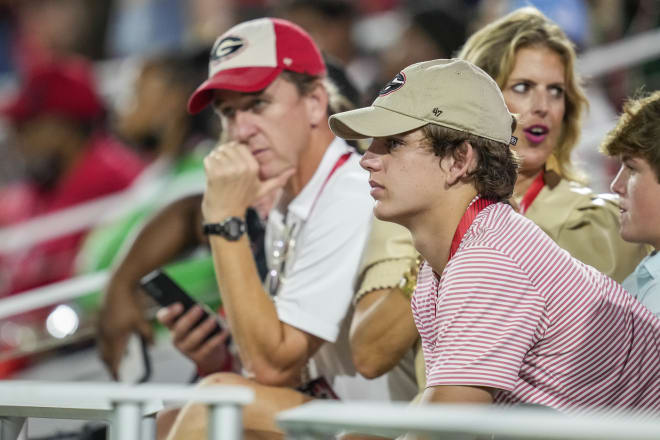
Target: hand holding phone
(166, 292)
(196, 330)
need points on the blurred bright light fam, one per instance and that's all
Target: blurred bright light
(62, 321)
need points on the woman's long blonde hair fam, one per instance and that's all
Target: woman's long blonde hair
(493, 48)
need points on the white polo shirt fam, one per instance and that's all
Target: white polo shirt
(315, 244)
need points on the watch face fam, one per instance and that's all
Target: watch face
(234, 228)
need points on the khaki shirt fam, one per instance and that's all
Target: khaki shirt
(586, 225)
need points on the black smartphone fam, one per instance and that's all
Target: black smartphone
(166, 292)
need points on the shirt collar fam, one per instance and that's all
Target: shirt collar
(652, 264)
(301, 205)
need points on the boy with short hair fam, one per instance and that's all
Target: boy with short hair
(635, 141)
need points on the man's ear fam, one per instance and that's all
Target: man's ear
(316, 101)
(461, 163)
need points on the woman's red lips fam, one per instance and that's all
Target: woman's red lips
(536, 133)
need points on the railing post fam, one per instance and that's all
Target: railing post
(225, 422)
(126, 421)
(13, 428)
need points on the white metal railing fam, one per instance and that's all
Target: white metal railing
(54, 293)
(323, 418)
(123, 406)
(106, 209)
(620, 54)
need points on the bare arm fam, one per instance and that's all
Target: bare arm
(173, 230)
(382, 331)
(274, 352)
(458, 394)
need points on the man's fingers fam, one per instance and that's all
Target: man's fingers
(217, 342)
(168, 315)
(274, 183)
(112, 352)
(185, 323)
(195, 338)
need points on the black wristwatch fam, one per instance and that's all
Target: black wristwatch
(231, 228)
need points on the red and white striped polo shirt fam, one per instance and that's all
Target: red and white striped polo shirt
(515, 312)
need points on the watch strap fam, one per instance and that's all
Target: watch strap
(231, 228)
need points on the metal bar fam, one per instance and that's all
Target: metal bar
(52, 293)
(126, 421)
(12, 427)
(225, 422)
(622, 54)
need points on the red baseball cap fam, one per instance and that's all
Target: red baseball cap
(249, 56)
(63, 88)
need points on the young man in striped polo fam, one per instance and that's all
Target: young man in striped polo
(505, 315)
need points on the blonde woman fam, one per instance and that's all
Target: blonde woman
(533, 62)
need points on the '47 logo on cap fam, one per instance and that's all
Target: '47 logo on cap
(398, 81)
(226, 47)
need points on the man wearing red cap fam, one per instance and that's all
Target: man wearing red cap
(56, 118)
(267, 85)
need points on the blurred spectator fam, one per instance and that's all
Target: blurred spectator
(329, 22)
(144, 26)
(44, 30)
(57, 121)
(208, 18)
(157, 124)
(429, 32)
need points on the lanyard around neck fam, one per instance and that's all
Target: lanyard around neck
(531, 193)
(468, 217)
(341, 161)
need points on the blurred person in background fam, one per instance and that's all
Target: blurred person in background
(329, 22)
(58, 127)
(634, 141)
(58, 124)
(156, 124)
(429, 31)
(533, 62)
(45, 30)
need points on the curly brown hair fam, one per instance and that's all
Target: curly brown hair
(637, 134)
(497, 164)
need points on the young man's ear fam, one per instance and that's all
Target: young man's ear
(461, 163)
(316, 101)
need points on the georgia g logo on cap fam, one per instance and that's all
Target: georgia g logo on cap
(398, 81)
(226, 47)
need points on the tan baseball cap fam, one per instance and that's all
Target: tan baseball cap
(451, 93)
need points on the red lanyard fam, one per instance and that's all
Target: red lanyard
(470, 214)
(531, 193)
(341, 161)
